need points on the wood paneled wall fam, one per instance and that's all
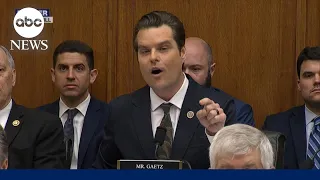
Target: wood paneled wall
(255, 45)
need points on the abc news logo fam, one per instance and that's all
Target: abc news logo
(29, 23)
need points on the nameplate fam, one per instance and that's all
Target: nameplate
(149, 164)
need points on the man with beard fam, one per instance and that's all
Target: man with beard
(301, 124)
(200, 66)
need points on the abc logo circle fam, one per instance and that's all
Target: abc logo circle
(28, 22)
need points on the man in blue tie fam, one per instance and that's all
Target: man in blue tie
(300, 124)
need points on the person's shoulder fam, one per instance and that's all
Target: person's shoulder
(241, 105)
(126, 99)
(48, 106)
(218, 95)
(36, 116)
(98, 102)
(284, 114)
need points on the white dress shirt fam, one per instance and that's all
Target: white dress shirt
(309, 124)
(4, 114)
(177, 101)
(77, 125)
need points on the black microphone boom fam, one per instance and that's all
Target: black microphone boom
(159, 138)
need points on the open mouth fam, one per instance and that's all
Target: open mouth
(156, 71)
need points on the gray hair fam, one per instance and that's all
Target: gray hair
(9, 57)
(240, 139)
(3, 146)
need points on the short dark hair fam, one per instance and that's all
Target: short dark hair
(308, 53)
(157, 19)
(74, 46)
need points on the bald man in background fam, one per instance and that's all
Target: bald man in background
(200, 66)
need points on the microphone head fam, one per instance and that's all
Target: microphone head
(307, 164)
(160, 135)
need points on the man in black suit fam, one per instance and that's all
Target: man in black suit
(170, 100)
(35, 138)
(72, 73)
(299, 123)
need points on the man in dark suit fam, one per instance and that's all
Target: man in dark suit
(35, 138)
(171, 100)
(200, 66)
(299, 124)
(72, 73)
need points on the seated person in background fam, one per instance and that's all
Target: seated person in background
(200, 66)
(35, 138)
(82, 115)
(301, 124)
(240, 146)
(3, 149)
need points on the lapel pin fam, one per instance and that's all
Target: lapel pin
(190, 114)
(16, 123)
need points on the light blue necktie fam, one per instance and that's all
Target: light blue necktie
(314, 143)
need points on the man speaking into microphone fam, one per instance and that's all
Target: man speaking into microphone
(171, 100)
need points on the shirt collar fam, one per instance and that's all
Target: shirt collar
(309, 115)
(176, 100)
(8, 107)
(82, 107)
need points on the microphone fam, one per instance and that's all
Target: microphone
(159, 138)
(187, 163)
(309, 163)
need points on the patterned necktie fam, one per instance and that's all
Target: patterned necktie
(314, 143)
(164, 151)
(69, 133)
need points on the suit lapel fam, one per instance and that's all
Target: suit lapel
(54, 108)
(14, 122)
(141, 117)
(90, 124)
(186, 126)
(298, 129)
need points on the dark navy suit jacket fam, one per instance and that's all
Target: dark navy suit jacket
(129, 130)
(92, 131)
(292, 124)
(244, 113)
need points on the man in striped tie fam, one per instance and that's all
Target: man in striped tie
(300, 124)
(314, 143)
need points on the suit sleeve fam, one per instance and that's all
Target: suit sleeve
(49, 148)
(230, 111)
(108, 152)
(245, 115)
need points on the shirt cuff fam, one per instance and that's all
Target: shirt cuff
(210, 138)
